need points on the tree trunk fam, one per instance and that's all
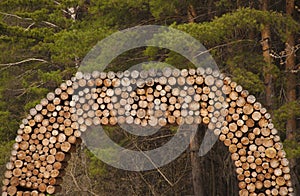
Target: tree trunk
(191, 13)
(196, 163)
(238, 4)
(209, 10)
(291, 80)
(266, 35)
(194, 141)
(291, 77)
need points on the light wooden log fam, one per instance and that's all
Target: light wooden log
(270, 152)
(11, 190)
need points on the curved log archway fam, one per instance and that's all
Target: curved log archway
(148, 98)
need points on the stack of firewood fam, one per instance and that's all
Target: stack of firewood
(147, 98)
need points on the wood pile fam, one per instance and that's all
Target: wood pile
(156, 98)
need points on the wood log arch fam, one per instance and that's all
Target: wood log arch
(46, 136)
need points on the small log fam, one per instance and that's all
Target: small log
(60, 156)
(270, 152)
(251, 99)
(248, 109)
(11, 190)
(280, 181)
(256, 116)
(209, 80)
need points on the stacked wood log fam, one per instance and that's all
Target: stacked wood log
(147, 98)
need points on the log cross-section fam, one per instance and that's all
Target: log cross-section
(147, 98)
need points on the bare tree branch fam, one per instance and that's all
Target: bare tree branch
(284, 53)
(183, 174)
(8, 65)
(23, 61)
(27, 89)
(50, 24)
(28, 19)
(64, 11)
(92, 193)
(74, 180)
(159, 171)
(148, 184)
(71, 173)
(15, 16)
(56, 2)
(30, 26)
(223, 45)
